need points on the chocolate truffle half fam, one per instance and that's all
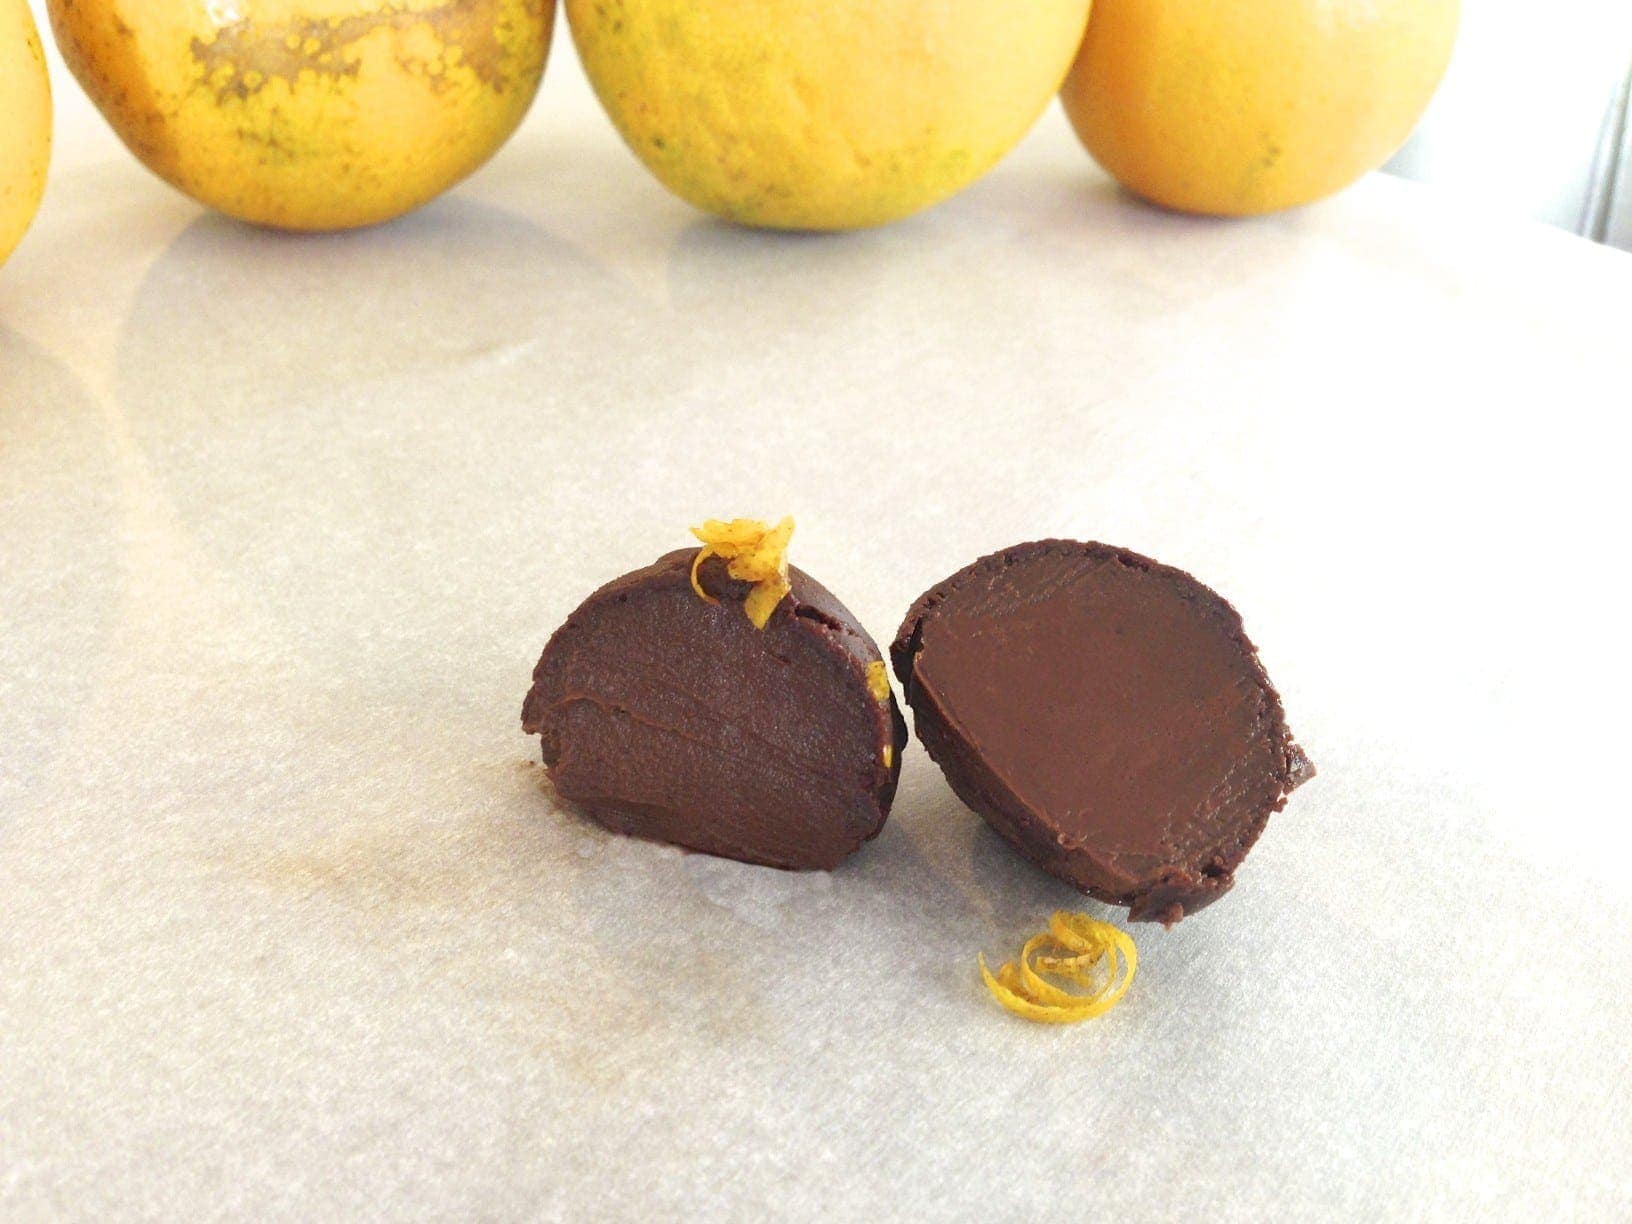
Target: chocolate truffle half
(673, 718)
(1104, 713)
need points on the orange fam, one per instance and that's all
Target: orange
(1235, 107)
(824, 115)
(25, 122)
(309, 114)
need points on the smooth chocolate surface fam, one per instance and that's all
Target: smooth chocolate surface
(1104, 713)
(670, 718)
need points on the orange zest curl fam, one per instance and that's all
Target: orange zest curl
(1094, 957)
(756, 553)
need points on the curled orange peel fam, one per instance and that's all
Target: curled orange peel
(1078, 969)
(703, 554)
(1005, 988)
(755, 553)
(1097, 957)
(1033, 983)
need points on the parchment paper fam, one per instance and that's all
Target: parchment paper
(291, 928)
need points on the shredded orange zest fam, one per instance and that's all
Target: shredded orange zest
(702, 555)
(878, 681)
(757, 553)
(1097, 957)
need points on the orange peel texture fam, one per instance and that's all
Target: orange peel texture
(878, 681)
(1094, 957)
(755, 553)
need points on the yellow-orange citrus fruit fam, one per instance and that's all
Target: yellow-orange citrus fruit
(835, 114)
(1256, 105)
(309, 114)
(25, 123)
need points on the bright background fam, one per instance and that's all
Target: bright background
(290, 928)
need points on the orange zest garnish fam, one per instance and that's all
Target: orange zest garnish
(878, 681)
(1093, 956)
(756, 553)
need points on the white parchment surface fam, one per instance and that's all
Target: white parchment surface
(290, 927)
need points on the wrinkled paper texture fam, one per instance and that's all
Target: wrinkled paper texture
(293, 928)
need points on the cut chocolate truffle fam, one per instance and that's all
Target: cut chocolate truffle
(1105, 714)
(672, 718)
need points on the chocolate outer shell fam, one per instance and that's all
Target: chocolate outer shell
(666, 717)
(1106, 714)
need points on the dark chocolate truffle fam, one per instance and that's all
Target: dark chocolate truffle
(670, 718)
(1104, 713)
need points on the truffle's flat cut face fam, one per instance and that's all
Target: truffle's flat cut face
(1106, 714)
(670, 718)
